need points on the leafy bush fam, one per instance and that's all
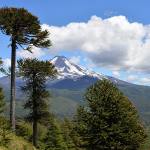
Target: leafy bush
(24, 129)
(5, 133)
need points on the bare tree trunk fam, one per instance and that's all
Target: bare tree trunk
(35, 132)
(35, 135)
(13, 85)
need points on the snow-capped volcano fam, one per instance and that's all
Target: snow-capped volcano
(67, 69)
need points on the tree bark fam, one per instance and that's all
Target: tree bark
(35, 122)
(13, 85)
(35, 135)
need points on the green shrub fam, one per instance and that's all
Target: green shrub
(24, 129)
(5, 133)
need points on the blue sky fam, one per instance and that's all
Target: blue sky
(58, 13)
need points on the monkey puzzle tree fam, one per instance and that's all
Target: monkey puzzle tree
(25, 31)
(109, 121)
(35, 73)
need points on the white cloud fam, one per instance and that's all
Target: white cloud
(6, 62)
(138, 79)
(132, 78)
(75, 59)
(36, 53)
(145, 81)
(116, 73)
(114, 42)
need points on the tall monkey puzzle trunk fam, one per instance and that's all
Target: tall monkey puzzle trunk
(35, 134)
(35, 123)
(13, 85)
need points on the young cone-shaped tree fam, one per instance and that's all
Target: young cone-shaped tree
(54, 138)
(35, 73)
(4, 124)
(2, 103)
(71, 138)
(109, 121)
(24, 30)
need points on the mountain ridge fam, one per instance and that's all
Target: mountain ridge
(68, 69)
(68, 91)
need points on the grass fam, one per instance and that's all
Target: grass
(17, 143)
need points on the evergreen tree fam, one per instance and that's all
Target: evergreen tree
(4, 125)
(109, 121)
(24, 30)
(2, 103)
(54, 139)
(71, 138)
(35, 73)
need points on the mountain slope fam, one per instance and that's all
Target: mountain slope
(69, 88)
(67, 69)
